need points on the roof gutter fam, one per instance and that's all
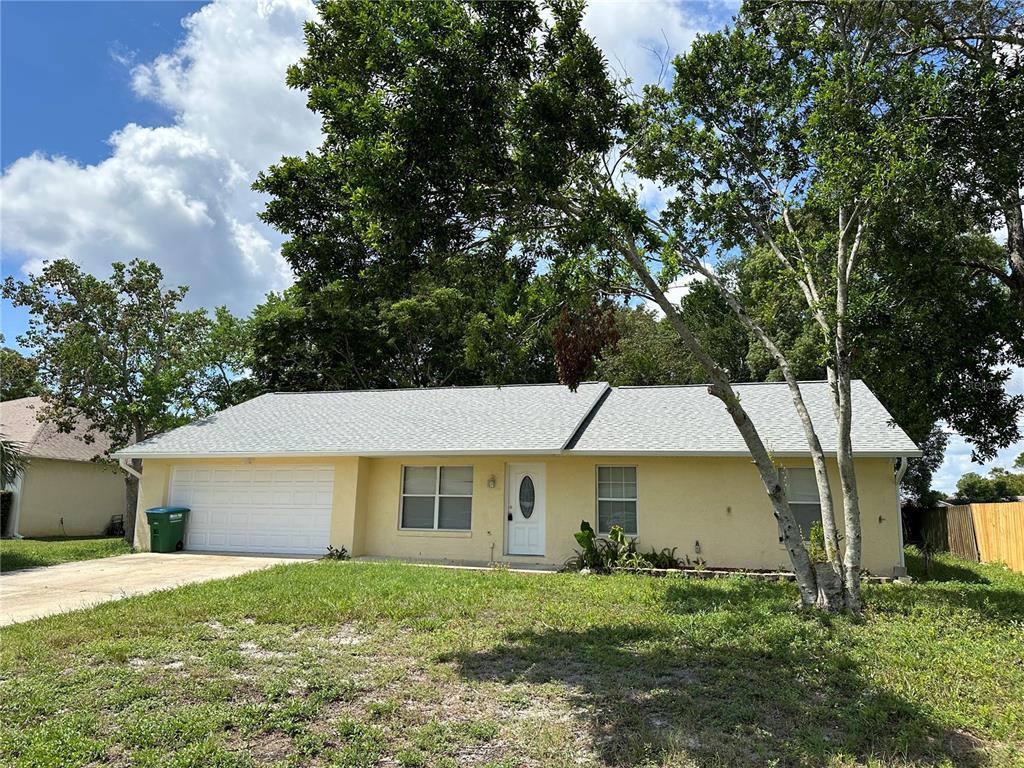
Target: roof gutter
(126, 454)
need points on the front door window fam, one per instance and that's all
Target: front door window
(526, 496)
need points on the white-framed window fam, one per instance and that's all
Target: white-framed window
(616, 499)
(802, 491)
(437, 498)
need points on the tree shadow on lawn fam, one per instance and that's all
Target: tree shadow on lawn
(988, 603)
(742, 679)
(942, 569)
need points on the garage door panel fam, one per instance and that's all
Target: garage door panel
(266, 509)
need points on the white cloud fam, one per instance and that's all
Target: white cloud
(640, 39)
(180, 195)
(226, 81)
(957, 460)
(675, 292)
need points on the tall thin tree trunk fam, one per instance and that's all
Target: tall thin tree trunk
(839, 380)
(828, 519)
(131, 502)
(721, 388)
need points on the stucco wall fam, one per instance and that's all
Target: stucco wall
(717, 501)
(85, 494)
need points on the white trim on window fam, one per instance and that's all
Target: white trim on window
(436, 496)
(803, 498)
(635, 498)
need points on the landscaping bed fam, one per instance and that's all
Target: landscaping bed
(366, 664)
(17, 554)
(727, 573)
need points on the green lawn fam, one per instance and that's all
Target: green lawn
(16, 554)
(362, 664)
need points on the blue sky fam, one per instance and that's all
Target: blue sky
(65, 86)
(135, 129)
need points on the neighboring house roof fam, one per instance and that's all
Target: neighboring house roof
(20, 424)
(523, 419)
(686, 420)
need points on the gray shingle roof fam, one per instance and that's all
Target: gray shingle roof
(467, 420)
(525, 419)
(688, 420)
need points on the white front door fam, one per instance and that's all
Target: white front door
(256, 508)
(526, 509)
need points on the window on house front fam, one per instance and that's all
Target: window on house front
(437, 498)
(802, 491)
(616, 499)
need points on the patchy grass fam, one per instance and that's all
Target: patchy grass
(366, 664)
(16, 554)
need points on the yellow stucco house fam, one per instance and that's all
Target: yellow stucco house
(62, 492)
(506, 474)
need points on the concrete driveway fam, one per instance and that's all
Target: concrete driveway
(37, 592)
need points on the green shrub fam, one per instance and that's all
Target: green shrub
(336, 554)
(816, 544)
(602, 555)
(666, 558)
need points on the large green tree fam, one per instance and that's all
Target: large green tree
(411, 271)
(469, 130)
(121, 356)
(806, 132)
(17, 374)
(976, 46)
(461, 322)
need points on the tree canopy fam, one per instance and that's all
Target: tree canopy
(979, 128)
(17, 375)
(120, 357)
(460, 136)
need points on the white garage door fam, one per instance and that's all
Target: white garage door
(256, 509)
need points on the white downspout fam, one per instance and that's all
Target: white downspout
(901, 470)
(127, 467)
(16, 504)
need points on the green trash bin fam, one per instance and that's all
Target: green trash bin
(167, 528)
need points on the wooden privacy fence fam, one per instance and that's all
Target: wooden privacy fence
(987, 533)
(999, 530)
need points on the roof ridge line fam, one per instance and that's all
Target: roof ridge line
(588, 417)
(426, 389)
(733, 383)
